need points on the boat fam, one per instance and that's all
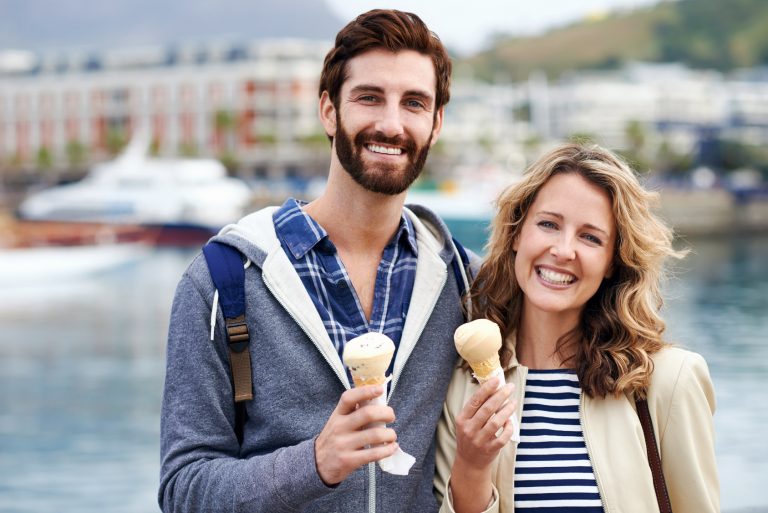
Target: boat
(39, 252)
(48, 265)
(180, 200)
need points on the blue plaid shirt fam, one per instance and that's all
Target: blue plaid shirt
(319, 266)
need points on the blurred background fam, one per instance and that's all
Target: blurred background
(131, 132)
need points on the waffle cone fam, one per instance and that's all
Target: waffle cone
(361, 381)
(484, 368)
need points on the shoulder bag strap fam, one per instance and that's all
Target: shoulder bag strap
(654, 460)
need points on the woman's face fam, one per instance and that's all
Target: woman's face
(565, 247)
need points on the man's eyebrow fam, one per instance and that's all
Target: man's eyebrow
(366, 88)
(588, 225)
(419, 94)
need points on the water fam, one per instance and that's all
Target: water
(81, 370)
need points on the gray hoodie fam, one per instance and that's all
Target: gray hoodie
(298, 378)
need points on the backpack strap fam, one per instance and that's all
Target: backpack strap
(225, 264)
(460, 266)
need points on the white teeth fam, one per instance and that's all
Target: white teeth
(555, 277)
(384, 149)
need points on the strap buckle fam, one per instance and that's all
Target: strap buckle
(237, 333)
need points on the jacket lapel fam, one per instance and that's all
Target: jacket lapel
(281, 279)
(431, 275)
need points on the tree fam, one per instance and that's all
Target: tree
(188, 149)
(229, 160)
(668, 162)
(582, 138)
(635, 134)
(635, 154)
(76, 153)
(224, 126)
(44, 158)
(116, 141)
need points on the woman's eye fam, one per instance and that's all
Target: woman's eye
(594, 240)
(547, 224)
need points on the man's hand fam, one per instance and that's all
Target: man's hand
(346, 443)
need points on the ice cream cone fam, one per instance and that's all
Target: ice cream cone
(478, 342)
(368, 357)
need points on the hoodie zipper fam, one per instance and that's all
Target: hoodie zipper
(372, 465)
(396, 374)
(589, 452)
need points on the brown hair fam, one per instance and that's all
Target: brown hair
(391, 30)
(620, 327)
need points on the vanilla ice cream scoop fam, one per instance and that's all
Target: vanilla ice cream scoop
(478, 342)
(368, 357)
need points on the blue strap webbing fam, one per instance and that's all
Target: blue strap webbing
(458, 263)
(226, 267)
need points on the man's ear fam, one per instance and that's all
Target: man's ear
(327, 114)
(437, 126)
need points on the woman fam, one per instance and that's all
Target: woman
(572, 278)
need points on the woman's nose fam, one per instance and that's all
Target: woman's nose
(563, 249)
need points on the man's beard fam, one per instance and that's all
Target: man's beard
(382, 178)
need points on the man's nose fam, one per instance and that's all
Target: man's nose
(390, 122)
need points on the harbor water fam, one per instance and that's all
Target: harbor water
(82, 364)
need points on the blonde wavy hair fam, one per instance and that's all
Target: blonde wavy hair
(620, 326)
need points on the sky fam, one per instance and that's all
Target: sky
(465, 25)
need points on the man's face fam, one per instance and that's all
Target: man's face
(385, 120)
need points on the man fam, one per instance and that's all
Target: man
(352, 261)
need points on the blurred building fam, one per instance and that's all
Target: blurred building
(255, 103)
(256, 106)
(683, 107)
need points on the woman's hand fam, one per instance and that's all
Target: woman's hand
(483, 427)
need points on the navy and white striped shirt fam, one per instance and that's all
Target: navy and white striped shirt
(317, 263)
(552, 470)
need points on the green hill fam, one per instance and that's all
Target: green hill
(719, 34)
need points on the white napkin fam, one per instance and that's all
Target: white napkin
(400, 462)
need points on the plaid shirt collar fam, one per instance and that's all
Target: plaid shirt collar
(300, 233)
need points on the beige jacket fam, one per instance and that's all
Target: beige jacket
(681, 400)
